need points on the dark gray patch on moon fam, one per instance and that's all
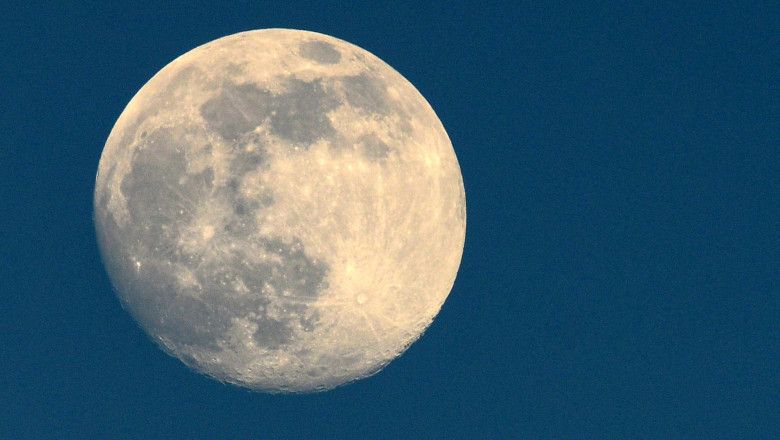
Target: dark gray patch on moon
(302, 113)
(365, 92)
(249, 155)
(297, 280)
(299, 115)
(372, 147)
(192, 296)
(320, 52)
(238, 109)
(158, 190)
(369, 93)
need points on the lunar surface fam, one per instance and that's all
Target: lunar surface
(280, 210)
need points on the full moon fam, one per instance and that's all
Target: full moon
(280, 210)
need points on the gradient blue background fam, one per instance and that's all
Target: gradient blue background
(620, 276)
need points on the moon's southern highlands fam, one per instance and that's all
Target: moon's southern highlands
(280, 210)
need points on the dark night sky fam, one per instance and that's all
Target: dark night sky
(621, 271)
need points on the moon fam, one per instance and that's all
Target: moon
(280, 210)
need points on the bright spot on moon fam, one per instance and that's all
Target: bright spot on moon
(280, 210)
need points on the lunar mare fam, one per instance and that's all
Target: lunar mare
(280, 210)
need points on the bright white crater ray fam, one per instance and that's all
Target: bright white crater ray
(281, 210)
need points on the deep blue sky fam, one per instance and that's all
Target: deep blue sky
(621, 271)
